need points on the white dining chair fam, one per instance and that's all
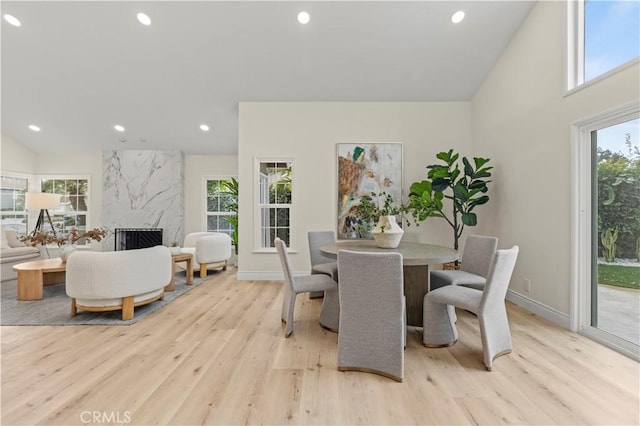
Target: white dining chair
(476, 261)
(372, 332)
(488, 305)
(330, 314)
(319, 263)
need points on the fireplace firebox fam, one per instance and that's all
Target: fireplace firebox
(137, 238)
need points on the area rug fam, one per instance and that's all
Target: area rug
(55, 307)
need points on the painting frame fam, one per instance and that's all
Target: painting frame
(364, 168)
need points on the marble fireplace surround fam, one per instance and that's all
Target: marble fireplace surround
(143, 189)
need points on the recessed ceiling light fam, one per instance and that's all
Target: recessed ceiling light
(144, 19)
(119, 128)
(143, 140)
(12, 20)
(34, 127)
(204, 127)
(457, 17)
(303, 17)
(122, 140)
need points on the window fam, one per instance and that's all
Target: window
(274, 202)
(13, 214)
(221, 206)
(603, 36)
(74, 203)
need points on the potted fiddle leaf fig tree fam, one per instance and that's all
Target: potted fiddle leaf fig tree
(231, 188)
(466, 187)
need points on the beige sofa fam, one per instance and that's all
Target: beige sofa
(12, 252)
(117, 280)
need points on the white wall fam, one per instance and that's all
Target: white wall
(15, 157)
(309, 132)
(196, 167)
(521, 119)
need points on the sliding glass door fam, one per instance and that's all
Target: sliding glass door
(614, 308)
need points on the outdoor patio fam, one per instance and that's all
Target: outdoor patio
(619, 312)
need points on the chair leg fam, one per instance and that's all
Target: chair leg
(286, 296)
(127, 308)
(292, 306)
(496, 337)
(203, 271)
(288, 305)
(74, 308)
(439, 325)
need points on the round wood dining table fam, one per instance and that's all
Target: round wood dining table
(416, 258)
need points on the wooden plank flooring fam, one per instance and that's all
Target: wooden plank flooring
(217, 355)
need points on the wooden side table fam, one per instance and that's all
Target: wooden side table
(32, 276)
(176, 258)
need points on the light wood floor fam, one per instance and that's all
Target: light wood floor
(217, 355)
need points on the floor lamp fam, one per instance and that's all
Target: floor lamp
(44, 202)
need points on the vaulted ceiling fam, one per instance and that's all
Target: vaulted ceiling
(76, 69)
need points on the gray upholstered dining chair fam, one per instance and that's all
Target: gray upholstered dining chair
(330, 314)
(372, 332)
(319, 263)
(476, 261)
(488, 304)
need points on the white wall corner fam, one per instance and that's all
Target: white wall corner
(539, 309)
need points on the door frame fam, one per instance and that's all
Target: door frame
(581, 225)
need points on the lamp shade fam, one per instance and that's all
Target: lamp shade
(41, 201)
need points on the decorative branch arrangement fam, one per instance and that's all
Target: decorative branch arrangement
(48, 237)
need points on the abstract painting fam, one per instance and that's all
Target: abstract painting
(365, 168)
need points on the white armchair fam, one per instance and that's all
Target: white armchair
(211, 250)
(117, 280)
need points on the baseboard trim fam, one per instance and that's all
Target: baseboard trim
(539, 309)
(259, 276)
(265, 275)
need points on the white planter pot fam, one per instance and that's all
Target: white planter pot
(387, 232)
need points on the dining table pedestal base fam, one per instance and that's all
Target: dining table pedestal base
(416, 258)
(416, 286)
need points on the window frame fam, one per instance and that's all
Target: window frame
(205, 196)
(30, 179)
(257, 222)
(39, 180)
(582, 224)
(575, 49)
